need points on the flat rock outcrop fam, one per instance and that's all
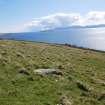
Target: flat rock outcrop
(48, 72)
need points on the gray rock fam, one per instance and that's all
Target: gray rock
(20, 54)
(23, 71)
(3, 52)
(48, 72)
(0, 56)
(99, 81)
(64, 101)
(102, 96)
(83, 86)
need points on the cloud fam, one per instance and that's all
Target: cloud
(95, 18)
(60, 20)
(52, 21)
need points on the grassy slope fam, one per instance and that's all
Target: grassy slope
(76, 64)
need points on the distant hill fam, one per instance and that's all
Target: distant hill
(81, 80)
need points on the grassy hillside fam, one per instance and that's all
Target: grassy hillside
(82, 80)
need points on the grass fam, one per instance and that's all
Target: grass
(77, 65)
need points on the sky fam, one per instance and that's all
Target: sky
(29, 15)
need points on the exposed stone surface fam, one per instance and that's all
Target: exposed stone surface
(20, 54)
(48, 72)
(99, 81)
(83, 86)
(64, 101)
(23, 71)
(102, 96)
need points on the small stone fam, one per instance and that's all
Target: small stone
(24, 71)
(102, 96)
(82, 86)
(20, 55)
(3, 53)
(64, 101)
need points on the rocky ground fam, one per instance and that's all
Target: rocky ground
(45, 74)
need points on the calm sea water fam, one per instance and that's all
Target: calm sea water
(86, 37)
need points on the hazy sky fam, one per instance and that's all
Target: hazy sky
(15, 13)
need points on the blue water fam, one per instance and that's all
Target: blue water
(86, 37)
